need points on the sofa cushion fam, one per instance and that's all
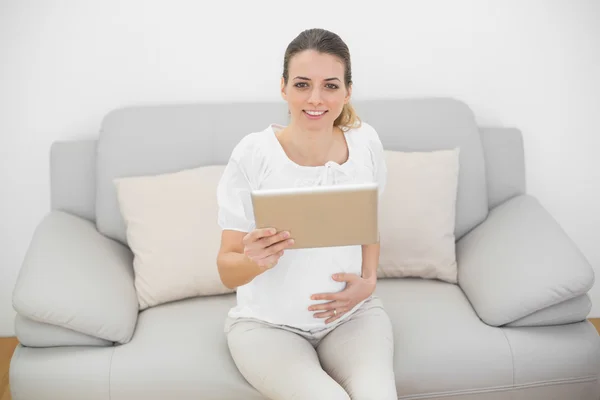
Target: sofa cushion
(417, 215)
(64, 372)
(441, 346)
(566, 312)
(149, 140)
(173, 233)
(180, 351)
(444, 351)
(428, 124)
(39, 334)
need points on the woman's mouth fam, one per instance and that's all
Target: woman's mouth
(314, 114)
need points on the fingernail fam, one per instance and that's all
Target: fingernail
(286, 234)
(291, 241)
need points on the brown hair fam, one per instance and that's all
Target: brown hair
(326, 42)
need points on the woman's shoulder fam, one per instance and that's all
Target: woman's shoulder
(365, 135)
(252, 145)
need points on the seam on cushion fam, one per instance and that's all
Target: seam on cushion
(512, 356)
(110, 372)
(503, 388)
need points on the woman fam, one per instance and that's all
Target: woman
(306, 324)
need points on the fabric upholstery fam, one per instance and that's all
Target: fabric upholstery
(179, 351)
(435, 327)
(75, 278)
(38, 334)
(417, 215)
(570, 358)
(173, 233)
(73, 165)
(61, 373)
(188, 358)
(149, 140)
(573, 310)
(517, 269)
(520, 261)
(504, 163)
(436, 124)
(138, 141)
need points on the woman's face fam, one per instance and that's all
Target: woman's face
(315, 91)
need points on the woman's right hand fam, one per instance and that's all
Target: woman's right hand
(265, 246)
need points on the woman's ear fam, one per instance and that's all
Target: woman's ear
(348, 94)
(283, 93)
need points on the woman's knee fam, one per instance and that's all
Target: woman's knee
(372, 387)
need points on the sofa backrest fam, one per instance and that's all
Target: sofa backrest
(149, 140)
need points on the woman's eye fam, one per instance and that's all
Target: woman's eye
(301, 85)
(332, 86)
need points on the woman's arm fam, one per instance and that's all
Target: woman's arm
(235, 268)
(243, 256)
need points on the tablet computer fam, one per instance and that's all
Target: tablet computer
(320, 216)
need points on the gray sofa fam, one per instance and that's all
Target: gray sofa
(514, 327)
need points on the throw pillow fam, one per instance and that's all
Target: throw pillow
(173, 233)
(417, 215)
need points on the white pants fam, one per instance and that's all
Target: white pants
(349, 360)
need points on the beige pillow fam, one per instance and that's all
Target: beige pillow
(172, 230)
(417, 215)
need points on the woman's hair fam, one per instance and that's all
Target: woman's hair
(325, 42)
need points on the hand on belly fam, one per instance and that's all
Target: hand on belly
(336, 304)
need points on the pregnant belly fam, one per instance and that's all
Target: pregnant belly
(305, 273)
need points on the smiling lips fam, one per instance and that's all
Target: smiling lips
(314, 114)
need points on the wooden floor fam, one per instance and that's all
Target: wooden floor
(7, 346)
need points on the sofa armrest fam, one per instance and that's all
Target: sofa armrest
(76, 278)
(519, 261)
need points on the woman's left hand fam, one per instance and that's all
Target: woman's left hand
(357, 289)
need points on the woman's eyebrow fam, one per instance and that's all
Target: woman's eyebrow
(308, 79)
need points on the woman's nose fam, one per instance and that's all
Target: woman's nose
(315, 97)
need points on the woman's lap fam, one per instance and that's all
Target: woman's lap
(351, 360)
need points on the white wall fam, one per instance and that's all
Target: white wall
(532, 64)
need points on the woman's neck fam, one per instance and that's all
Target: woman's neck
(310, 148)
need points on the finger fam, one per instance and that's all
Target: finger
(259, 233)
(339, 309)
(257, 247)
(344, 277)
(334, 316)
(276, 248)
(327, 306)
(271, 240)
(330, 320)
(328, 296)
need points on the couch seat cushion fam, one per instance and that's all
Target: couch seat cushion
(442, 350)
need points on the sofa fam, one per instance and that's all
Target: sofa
(513, 327)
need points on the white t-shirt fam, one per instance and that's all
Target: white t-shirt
(282, 294)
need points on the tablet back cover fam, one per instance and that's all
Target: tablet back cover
(321, 219)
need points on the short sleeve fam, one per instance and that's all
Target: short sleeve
(233, 198)
(380, 171)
